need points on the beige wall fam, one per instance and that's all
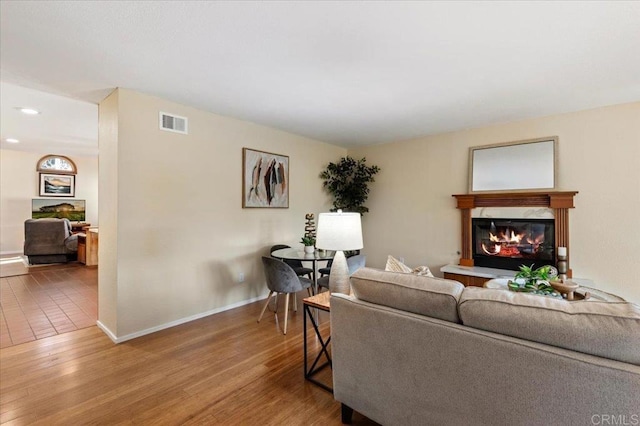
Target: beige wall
(108, 187)
(19, 183)
(182, 235)
(413, 214)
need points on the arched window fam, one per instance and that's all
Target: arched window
(57, 164)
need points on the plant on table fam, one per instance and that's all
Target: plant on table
(308, 241)
(534, 281)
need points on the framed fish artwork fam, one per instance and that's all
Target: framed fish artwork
(265, 179)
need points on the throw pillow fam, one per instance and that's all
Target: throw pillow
(394, 265)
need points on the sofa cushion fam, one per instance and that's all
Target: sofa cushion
(607, 329)
(434, 297)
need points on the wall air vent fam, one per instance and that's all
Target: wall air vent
(174, 123)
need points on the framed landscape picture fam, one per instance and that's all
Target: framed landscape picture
(57, 185)
(74, 210)
(265, 179)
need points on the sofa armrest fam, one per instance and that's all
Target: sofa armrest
(71, 243)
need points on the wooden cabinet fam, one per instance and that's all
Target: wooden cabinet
(92, 247)
(88, 247)
(467, 280)
(82, 247)
(79, 227)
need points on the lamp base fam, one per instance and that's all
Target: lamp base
(339, 278)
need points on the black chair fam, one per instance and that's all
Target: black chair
(281, 278)
(354, 263)
(295, 264)
(326, 270)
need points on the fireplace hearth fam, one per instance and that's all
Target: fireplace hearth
(510, 243)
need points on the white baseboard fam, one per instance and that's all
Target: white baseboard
(141, 333)
(108, 332)
(10, 252)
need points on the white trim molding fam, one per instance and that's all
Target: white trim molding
(180, 321)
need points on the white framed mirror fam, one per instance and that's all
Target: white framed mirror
(526, 165)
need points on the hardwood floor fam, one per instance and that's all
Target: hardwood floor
(223, 369)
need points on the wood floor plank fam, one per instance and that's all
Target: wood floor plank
(224, 369)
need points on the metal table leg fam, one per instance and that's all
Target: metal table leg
(309, 372)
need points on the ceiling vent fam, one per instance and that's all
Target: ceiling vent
(174, 123)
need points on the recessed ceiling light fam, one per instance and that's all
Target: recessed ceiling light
(12, 140)
(29, 111)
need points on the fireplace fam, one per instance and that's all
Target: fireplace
(559, 201)
(509, 243)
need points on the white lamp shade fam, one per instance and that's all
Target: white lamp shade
(339, 231)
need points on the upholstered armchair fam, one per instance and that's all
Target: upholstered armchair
(281, 278)
(49, 241)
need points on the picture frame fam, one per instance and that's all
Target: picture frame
(265, 179)
(57, 185)
(74, 210)
(526, 165)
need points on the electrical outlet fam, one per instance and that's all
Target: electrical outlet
(241, 277)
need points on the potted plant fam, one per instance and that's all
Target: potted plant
(536, 281)
(347, 181)
(309, 243)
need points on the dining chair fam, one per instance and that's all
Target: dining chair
(354, 263)
(327, 269)
(281, 278)
(295, 264)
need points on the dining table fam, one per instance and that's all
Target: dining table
(299, 254)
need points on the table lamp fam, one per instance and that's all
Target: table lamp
(339, 231)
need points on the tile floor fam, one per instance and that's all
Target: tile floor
(47, 302)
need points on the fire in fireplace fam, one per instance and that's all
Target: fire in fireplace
(509, 243)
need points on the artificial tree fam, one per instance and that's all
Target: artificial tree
(347, 181)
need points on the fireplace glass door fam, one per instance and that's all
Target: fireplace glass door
(509, 243)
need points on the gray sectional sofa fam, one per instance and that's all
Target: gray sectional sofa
(413, 350)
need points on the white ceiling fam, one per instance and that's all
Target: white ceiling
(349, 73)
(64, 125)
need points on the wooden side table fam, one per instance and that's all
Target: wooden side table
(92, 247)
(88, 247)
(319, 301)
(82, 247)
(77, 227)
